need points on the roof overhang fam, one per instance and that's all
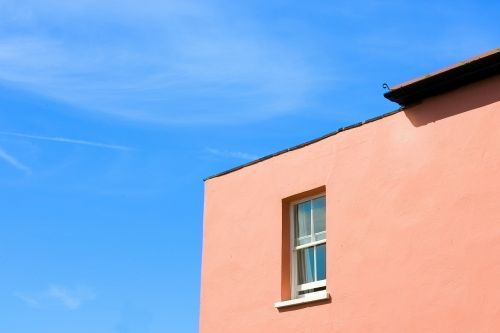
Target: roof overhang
(446, 79)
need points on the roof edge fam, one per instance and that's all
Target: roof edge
(302, 145)
(446, 79)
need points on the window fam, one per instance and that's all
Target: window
(303, 246)
(308, 246)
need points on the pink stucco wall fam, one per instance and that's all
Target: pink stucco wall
(413, 226)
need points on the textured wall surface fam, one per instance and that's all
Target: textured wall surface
(413, 226)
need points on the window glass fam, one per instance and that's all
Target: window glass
(303, 223)
(321, 262)
(318, 208)
(305, 265)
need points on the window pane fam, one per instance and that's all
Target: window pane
(321, 262)
(320, 236)
(318, 207)
(305, 265)
(303, 223)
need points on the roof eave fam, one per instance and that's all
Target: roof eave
(450, 78)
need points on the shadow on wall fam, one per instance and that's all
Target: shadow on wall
(455, 102)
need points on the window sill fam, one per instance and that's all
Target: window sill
(314, 297)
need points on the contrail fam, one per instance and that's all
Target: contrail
(13, 161)
(67, 140)
(233, 154)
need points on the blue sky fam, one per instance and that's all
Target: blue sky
(112, 113)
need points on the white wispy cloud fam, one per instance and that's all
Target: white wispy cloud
(66, 140)
(13, 161)
(29, 300)
(180, 62)
(232, 154)
(70, 298)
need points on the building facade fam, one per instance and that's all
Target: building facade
(390, 225)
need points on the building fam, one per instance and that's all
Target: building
(389, 225)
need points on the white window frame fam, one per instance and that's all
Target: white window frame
(296, 288)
